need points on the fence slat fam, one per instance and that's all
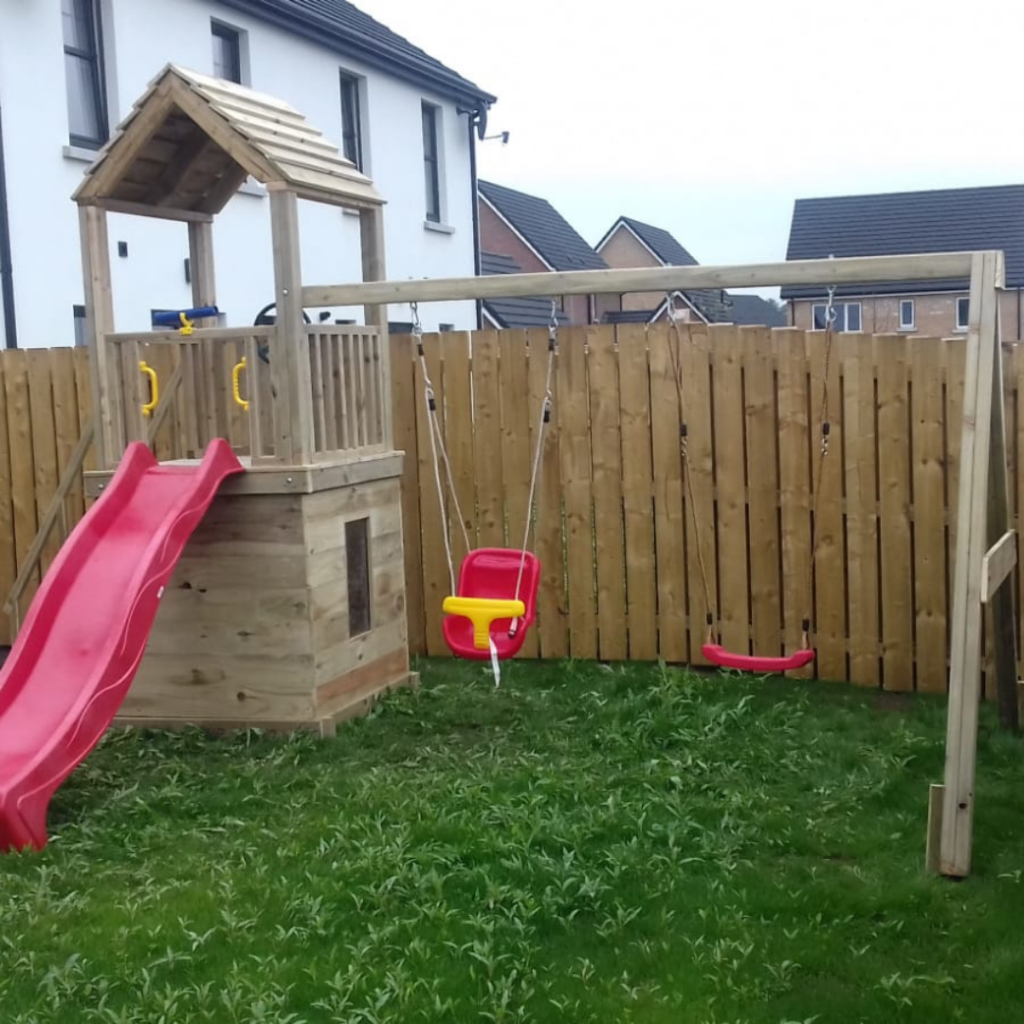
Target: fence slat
(574, 448)
(857, 357)
(794, 483)
(485, 435)
(829, 576)
(8, 559)
(929, 514)
(406, 404)
(763, 490)
(733, 605)
(433, 565)
(516, 449)
(44, 444)
(23, 474)
(552, 602)
(458, 431)
(894, 504)
(637, 491)
(606, 458)
(699, 492)
(670, 507)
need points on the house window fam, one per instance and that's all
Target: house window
(83, 74)
(906, 314)
(357, 556)
(351, 138)
(227, 52)
(431, 169)
(848, 316)
(79, 315)
(963, 314)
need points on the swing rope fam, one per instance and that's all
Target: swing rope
(824, 419)
(437, 441)
(543, 420)
(439, 452)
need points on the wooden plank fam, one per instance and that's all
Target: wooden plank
(699, 483)
(405, 403)
(516, 448)
(458, 433)
(794, 483)
(606, 461)
(955, 355)
(371, 236)
(486, 441)
(981, 384)
(637, 494)
(8, 558)
(66, 423)
(856, 355)
(926, 361)
(552, 602)
(734, 607)
(44, 444)
(577, 491)
(998, 563)
(83, 387)
(826, 489)
(23, 474)
(437, 583)
(930, 267)
(897, 604)
(671, 508)
(762, 490)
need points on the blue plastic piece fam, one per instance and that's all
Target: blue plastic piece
(172, 317)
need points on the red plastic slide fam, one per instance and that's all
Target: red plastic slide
(85, 633)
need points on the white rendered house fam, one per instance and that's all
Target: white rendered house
(69, 72)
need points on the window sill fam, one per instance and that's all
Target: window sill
(441, 229)
(904, 329)
(81, 153)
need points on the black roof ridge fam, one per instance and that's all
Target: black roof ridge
(909, 193)
(384, 49)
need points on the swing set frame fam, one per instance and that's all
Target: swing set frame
(986, 548)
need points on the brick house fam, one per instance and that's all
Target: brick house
(942, 220)
(632, 243)
(531, 234)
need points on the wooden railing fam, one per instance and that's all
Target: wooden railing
(347, 389)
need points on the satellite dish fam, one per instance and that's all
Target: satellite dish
(481, 124)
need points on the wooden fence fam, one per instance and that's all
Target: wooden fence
(614, 528)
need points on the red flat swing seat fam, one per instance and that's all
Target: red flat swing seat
(492, 573)
(718, 655)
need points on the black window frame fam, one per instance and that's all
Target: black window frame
(218, 30)
(94, 58)
(966, 323)
(912, 324)
(351, 118)
(431, 163)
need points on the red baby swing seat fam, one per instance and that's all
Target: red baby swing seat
(491, 574)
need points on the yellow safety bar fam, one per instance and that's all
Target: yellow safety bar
(239, 367)
(154, 384)
(482, 611)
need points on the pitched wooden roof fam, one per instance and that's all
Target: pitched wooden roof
(191, 140)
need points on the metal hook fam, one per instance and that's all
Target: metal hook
(417, 327)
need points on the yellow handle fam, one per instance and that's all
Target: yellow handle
(482, 611)
(154, 384)
(239, 367)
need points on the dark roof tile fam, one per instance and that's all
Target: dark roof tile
(343, 27)
(544, 228)
(890, 224)
(510, 313)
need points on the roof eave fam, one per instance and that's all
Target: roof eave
(402, 66)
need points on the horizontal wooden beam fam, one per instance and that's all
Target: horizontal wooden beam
(997, 564)
(198, 334)
(144, 210)
(853, 270)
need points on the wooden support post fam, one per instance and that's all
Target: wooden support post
(289, 360)
(371, 230)
(99, 322)
(981, 484)
(200, 257)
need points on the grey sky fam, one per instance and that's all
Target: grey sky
(711, 119)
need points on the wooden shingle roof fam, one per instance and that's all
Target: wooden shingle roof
(191, 140)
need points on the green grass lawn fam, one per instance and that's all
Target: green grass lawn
(583, 844)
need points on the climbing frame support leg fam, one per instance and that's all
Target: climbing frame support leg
(982, 519)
